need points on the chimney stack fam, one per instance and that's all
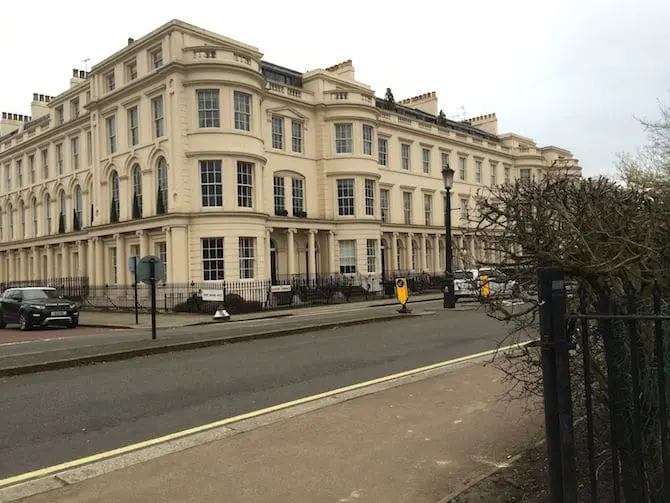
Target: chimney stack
(40, 105)
(78, 76)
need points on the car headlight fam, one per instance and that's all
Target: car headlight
(38, 306)
(73, 306)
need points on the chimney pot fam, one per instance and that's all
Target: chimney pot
(75, 72)
(4, 115)
(34, 96)
(82, 74)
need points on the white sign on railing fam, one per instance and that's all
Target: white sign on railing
(212, 295)
(280, 288)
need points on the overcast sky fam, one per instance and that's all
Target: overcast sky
(571, 73)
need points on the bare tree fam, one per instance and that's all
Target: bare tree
(650, 165)
(607, 236)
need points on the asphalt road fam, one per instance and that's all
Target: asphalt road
(65, 339)
(52, 417)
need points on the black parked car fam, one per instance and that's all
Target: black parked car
(37, 307)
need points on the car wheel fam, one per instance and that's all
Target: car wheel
(23, 322)
(74, 323)
(2, 322)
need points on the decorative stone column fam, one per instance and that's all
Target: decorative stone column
(65, 251)
(144, 243)
(168, 252)
(90, 262)
(410, 252)
(37, 273)
(436, 253)
(290, 260)
(3, 267)
(422, 259)
(99, 246)
(23, 265)
(83, 259)
(268, 253)
(50, 261)
(121, 262)
(179, 258)
(311, 250)
(331, 253)
(394, 252)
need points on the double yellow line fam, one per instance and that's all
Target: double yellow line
(51, 470)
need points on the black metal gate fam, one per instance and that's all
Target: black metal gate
(605, 365)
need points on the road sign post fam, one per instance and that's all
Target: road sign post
(152, 278)
(150, 270)
(132, 265)
(402, 294)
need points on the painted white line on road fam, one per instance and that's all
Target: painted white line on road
(51, 470)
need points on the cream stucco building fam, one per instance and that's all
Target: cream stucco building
(187, 145)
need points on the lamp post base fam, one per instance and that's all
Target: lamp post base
(449, 301)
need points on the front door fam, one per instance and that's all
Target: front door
(383, 250)
(273, 262)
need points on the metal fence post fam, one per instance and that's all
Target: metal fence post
(557, 392)
(545, 278)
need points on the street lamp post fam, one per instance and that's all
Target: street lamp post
(449, 293)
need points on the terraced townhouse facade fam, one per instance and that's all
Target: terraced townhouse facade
(189, 146)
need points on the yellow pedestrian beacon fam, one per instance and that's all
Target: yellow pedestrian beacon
(402, 294)
(485, 289)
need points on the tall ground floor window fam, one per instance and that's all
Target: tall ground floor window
(212, 259)
(348, 256)
(372, 255)
(247, 257)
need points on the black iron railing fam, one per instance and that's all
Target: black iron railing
(240, 296)
(618, 385)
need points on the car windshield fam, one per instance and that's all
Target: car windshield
(462, 275)
(38, 294)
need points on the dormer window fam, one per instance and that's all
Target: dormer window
(110, 82)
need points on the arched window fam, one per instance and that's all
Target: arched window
(115, 208)
(10, 216)
(78, 217)
(162, 177)
(33, 211)
(137, 192)
(62, 212)
(22, 220)
(48, 215)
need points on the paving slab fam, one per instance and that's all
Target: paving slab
(413, 443)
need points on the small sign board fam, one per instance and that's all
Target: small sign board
(144, 269)
(212, 295)
(401, 290)
(280, 288)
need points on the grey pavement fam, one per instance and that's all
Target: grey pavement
(112, 319)
(52, 417)
(38, 355)
(415, 443)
